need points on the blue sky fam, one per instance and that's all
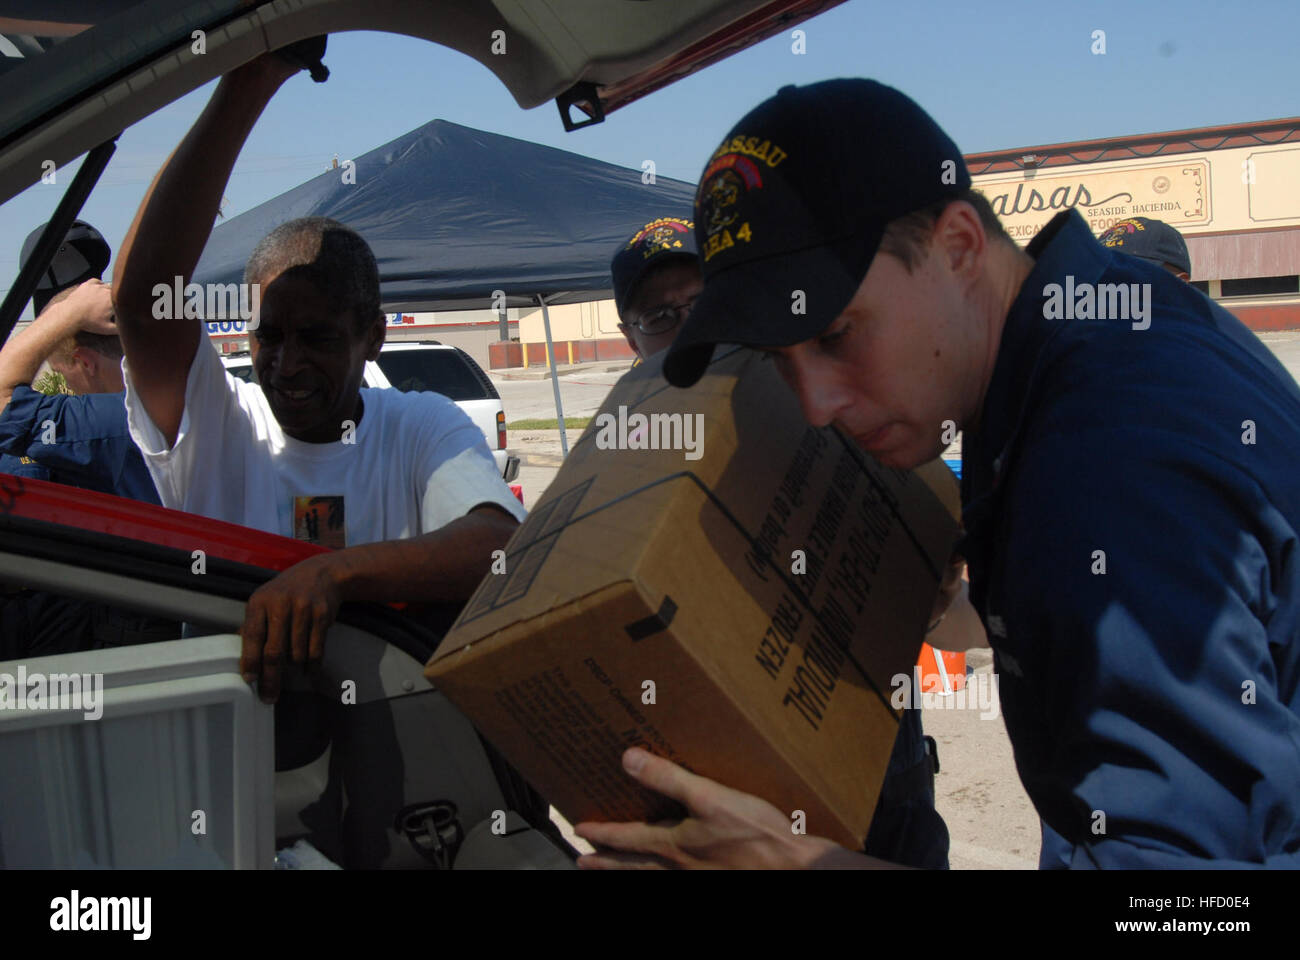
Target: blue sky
(995, 75)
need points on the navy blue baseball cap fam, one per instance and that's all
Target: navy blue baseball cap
(83, 255)
(660, 240)
(1152, 240)
(796, 199)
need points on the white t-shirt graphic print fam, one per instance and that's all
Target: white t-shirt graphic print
(416, 464)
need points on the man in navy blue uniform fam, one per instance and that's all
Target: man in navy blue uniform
(79, 439)
(1156, 242)
(1129, 482)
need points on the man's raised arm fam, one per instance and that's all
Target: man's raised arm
(170, 231)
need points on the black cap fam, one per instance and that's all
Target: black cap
(83, 255)
(1152, 240)
(797, 198)
(666, 238)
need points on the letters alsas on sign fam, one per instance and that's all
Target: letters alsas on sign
(1176, 193)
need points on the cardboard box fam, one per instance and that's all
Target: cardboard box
(655, 597)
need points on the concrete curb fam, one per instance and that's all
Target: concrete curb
(544, 373)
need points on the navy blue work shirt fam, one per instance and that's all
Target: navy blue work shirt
(23, 466)
(1131, 499)
(92, 446)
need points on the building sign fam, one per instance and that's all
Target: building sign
(1273, 177)
(226, 327)
(1178, 193)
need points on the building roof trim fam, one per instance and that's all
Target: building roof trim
(1198, 140)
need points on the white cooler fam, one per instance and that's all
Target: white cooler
(178, 772)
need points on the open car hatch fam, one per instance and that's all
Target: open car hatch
(78, 72)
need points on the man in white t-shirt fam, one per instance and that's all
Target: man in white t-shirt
(402, 484)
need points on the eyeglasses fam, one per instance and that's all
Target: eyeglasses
(664, 318)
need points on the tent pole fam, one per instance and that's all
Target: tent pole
(555, 377)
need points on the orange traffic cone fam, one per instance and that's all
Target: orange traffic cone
(942, 671)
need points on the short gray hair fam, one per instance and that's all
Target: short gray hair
(333, 256)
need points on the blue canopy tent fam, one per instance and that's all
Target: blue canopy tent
(454, 214)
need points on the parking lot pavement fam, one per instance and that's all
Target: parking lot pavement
(991, 823)
(1285, 345)
(581, 392)
(539, 459)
